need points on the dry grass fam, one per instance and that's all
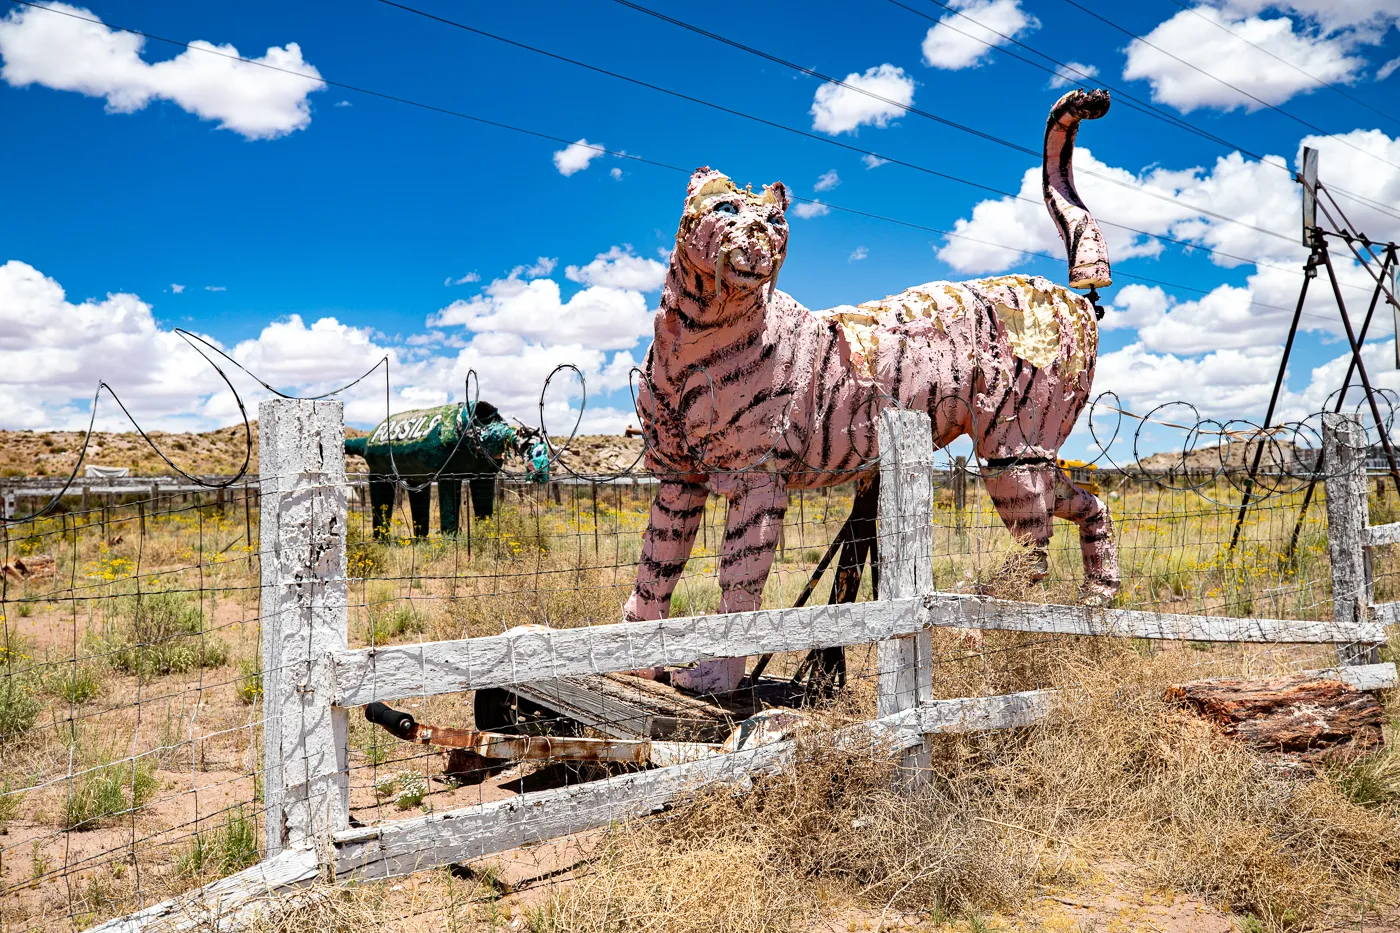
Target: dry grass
(1116, 775)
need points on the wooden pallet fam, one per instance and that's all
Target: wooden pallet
(625, 706)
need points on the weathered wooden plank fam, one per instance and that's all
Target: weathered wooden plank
(406, 846)
(370, 674)
(228, 904)
(458, 835)
(1344, 457)
(305, 617)
(953, 609)
(1385, 613)
(905, 663)
(395, 672)
(1362, 676)
(1377, 535)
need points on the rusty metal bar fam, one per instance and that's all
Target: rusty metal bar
(504, 746)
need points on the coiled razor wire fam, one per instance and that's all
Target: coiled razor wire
(1211, 450)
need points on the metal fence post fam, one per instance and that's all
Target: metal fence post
(906, 563)
(1344, 460)
(305, 615)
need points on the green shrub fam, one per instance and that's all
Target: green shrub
(364, 556)
(230, 848)
(18, 708)
(162, 633)
(76, 683)
(10, 799)
(401, 618)
(109, 791)
(248, 687)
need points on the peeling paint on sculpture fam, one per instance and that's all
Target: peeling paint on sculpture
(748, 394)
(454, 443)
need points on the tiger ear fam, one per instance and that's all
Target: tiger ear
(777, 193)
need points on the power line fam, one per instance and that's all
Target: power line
(1306, 74)
(1134, 103)
(1296, 119)
(358, 89)
(808, 71)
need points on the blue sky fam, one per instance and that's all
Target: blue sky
(311, 229)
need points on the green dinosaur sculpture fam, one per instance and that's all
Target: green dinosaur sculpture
(457, 441)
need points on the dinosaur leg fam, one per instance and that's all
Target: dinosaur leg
(756, 509)
(666, 544)
(1024, 496)
(420, 503)
(449, 504)
(483, 495)
(1095, 537)
(381, 506)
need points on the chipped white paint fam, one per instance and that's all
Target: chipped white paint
(1344, 458)
(1377, 535)
(305, 616)
(905, 664)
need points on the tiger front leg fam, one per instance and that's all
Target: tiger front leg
(757, 504)
(675, 518)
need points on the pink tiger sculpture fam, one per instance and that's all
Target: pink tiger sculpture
(749, 395)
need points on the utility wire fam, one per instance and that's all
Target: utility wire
(447, 111)
(1279, 58)
(920, 168)
(1241, 91)
(1134, 103)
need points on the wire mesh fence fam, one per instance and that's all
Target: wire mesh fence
(130, 702)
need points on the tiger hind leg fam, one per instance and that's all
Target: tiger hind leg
(1024, 496)
(1028, 497)
(1096, 545)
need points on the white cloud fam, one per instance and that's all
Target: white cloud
(809, 209)
(958, 42)
(616, 173)
(1196, 37)
(619, 267)
(542, 266)
(68, 54)
(343, 103)
(837, 109)
(464, 280)
(873, 161)
(216, 288)
(827, 181)
(1388, 69)
(1367, 18)
(600, 317)
(1072, 73)
(576, 156)
(177, 289)
(52, 352)
(857, 254)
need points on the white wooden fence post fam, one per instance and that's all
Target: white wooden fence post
(1344, 460)
(906, 563)
(305, 615)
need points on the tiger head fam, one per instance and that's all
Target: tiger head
(732, 239)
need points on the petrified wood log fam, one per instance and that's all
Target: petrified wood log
(1304, 717)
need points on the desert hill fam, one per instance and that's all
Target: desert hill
(221, 452)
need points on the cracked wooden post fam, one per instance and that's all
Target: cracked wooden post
(1344, 463)
(305, 615)
(906, 564)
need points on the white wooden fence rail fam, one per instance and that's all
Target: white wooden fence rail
(312, 678)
